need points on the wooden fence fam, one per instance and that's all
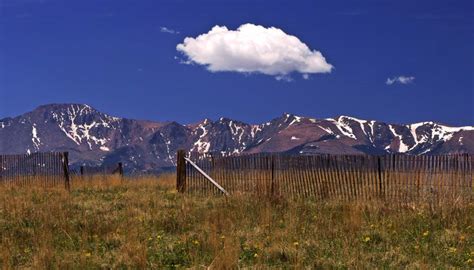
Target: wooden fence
(43, 169)
(401, 177)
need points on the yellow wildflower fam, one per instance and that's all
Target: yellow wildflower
(87, 254)
(296, 244)
(452, 250)
(367, 239)
(462, 238)
(469, 261)
(196, 242)
(222, 237)
(426, 233)
(255, 255)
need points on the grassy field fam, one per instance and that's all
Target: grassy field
(146, 224)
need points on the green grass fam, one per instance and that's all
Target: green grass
(146, 224)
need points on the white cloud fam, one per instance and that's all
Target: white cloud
(253, 49)
(165, 29)
(400, 79)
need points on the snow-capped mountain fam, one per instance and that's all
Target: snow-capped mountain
(95, 138)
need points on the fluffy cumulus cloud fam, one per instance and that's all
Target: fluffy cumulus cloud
(253, 49)
(400, 80)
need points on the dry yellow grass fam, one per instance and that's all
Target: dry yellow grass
(109, 222)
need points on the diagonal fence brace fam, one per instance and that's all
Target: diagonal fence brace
(207, 176)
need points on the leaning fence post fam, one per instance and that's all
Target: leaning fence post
(181, 171)
(66, 170)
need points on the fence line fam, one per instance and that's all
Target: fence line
(104, 170)
(44, 169)
(348, 177)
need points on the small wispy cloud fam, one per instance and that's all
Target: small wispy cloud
(400, 80)
(165, 29)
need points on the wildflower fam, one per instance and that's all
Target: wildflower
(367, 239)
(469, 261)
(372, 226)
(87, 254)
(426, 233)
(222, 237)
(452, 250)
(196, 242)
(150, 238)
(296, 244)
(255, 255)
(417, 246)
(158, 237)
(462, 238)
(472, 253)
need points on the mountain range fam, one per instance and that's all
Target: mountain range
(95, 138)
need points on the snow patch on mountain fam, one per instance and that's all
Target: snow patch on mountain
(78, 132)
(343, 127)
(35, 139)
(402, 147)
(372, 134)
(438, 132)
(361, 122)
(328, 130)
(200, 145)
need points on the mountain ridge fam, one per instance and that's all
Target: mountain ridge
(95, 138)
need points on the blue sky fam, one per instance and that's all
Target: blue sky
(114, 56)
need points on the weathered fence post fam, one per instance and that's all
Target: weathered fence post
(66, 170)
(379, 167)
(1, 169)
(272, 188)
(181, 171)
(120, 168)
